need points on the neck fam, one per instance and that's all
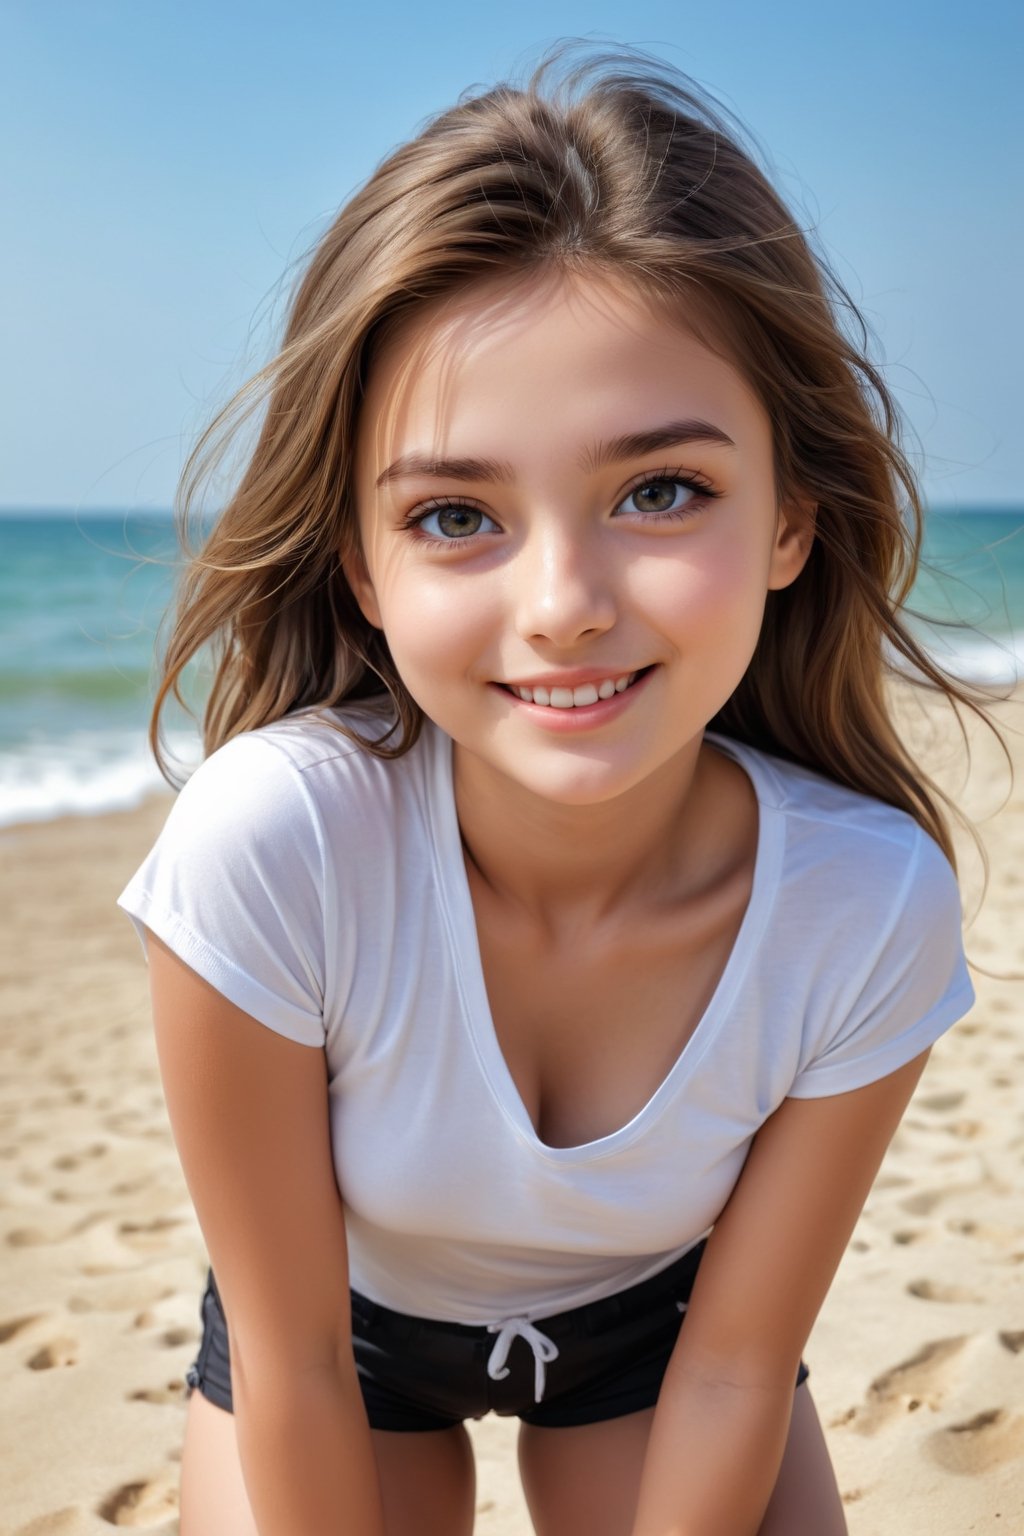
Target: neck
(564, 866)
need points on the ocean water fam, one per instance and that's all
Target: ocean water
(82, 598)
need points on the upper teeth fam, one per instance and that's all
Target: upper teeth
(570, 698)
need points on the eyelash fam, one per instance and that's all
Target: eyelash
(704, 493)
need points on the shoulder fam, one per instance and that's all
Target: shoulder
(272, 864)
(297, 776)
(804, 794)
(836, 840)
(865, 936)
(285, 750)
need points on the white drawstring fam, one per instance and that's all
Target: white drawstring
(520, 1328)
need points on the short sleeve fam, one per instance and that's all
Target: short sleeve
(914, 984)
(234, 886)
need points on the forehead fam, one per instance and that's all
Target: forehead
(513, 363)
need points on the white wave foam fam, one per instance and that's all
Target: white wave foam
(988, 660)
(83, 774)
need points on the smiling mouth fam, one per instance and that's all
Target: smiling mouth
(576, 698)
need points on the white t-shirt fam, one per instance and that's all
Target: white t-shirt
(324, 891)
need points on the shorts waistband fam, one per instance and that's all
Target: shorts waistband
(591, 1318)
(541, 1333)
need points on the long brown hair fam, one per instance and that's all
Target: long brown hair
(617, 164)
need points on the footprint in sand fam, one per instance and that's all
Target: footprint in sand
(148, 1236)
(173, 1392)
(964, 1130)
(940, 1102)
(135, 1124)
(913, 1384)
(15, 1325)
(41, 1237)
(173, 1338)
(131, 1186)
(72, 1520)
(985, 1231)
(935, 1290)
(925, 1201)
(72, 1160)
(121, 1293)
(984, 1441)
(142, 1505)
(1014, 1342)
(59, 1351)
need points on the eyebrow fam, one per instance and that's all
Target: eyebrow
(631, 445)
(410, 464)
(674, 434)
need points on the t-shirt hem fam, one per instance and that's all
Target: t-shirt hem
(537, 1305)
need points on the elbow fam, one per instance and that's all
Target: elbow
(286, 1371)
(750, 1373)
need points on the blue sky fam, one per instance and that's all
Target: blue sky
(163, 161)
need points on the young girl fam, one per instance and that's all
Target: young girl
(550, 944)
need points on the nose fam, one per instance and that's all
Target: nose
(564, 588)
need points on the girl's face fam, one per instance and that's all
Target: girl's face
(568, 520)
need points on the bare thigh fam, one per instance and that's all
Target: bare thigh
(588, 1478)
(213, 1496)
(428, 1481)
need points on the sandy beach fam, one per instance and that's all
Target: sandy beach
(917, 1360)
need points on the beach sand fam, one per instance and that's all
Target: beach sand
(917, 1359)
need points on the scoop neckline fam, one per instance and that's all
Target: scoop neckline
(464, 941)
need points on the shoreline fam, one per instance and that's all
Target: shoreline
(917, 1358)
(150, 802)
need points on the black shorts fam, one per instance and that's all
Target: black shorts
(593, 1362)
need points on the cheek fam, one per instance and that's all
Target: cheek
(711, 601)
(434, 627)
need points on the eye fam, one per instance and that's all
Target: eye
(452, 521)
(664, 496)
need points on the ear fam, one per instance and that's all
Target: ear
(358, 578)
(794, 536)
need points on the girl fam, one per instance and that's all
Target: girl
(555, 830)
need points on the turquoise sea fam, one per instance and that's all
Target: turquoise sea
(82, 596)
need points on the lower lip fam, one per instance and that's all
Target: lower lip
(581, 717)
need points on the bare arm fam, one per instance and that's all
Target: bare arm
(723, 1415)
(249, 1112)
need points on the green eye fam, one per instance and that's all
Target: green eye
(453, 523)
(667, 496)
(656, 495)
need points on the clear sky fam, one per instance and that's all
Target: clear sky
(163, 161)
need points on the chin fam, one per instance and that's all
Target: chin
(579, 784)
